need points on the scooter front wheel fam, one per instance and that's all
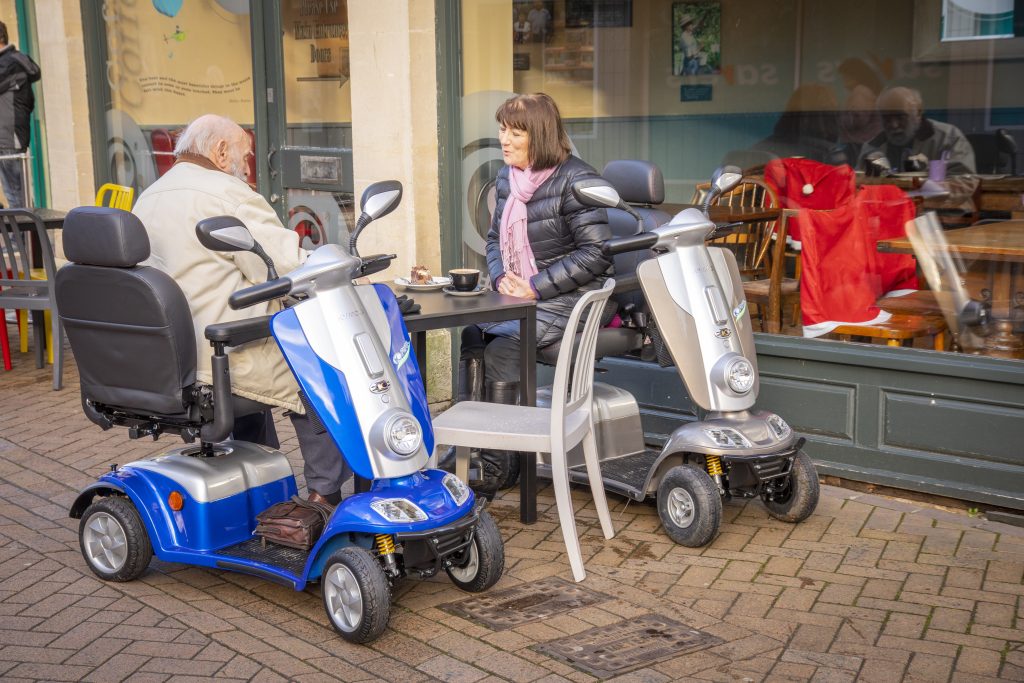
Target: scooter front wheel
(798, 496)
(113, 540)
(357, 595)
(483, 561)
(690, 506)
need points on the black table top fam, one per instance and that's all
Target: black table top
(51, 218)
(438, 309)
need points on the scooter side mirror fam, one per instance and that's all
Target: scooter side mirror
(380, 199)
(227, 233)
(596, 192)
(726, 178)
(224, 233)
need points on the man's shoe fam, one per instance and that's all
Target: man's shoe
(315, 497)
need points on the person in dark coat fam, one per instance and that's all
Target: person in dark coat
(542, 245)
(17, 74)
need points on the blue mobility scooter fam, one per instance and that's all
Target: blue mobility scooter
(133, 339)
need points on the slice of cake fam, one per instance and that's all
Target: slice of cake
(420, 276)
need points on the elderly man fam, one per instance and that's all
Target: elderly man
(909, 141)
(207, 180)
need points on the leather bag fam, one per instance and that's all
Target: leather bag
(295, 523)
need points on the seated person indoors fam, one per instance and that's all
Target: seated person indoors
(809, 127)
(542, 245)
(207, 180)
(909, 140)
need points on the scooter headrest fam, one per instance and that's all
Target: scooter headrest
(637, 182)
(100, 236)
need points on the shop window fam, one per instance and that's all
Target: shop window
(805, 91)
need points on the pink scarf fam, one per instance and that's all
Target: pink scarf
(516, 253)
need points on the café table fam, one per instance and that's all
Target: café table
(992, 244)
(439, 310)
(52, 219)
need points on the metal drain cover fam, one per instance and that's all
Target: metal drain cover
(611, 650)
(508, 608)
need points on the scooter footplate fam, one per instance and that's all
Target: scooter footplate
(283, 557)
(626, 475)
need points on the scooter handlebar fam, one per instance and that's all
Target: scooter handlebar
(266, 291)
(621, 245)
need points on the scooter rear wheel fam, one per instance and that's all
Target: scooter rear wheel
(483, 561)
(357, 595)
(798, 498)
(113, 540)
(690, 506)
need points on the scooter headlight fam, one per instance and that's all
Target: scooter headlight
(739, 375)
(779, 426)
(398, 510)
(457, 488)
(727, 437)
(403, 434)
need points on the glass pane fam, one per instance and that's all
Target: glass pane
(168, 63)
(857, 116)
(317, 159)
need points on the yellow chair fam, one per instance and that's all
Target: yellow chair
(115, 196)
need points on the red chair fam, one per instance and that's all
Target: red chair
(163, 149)
(5, 342)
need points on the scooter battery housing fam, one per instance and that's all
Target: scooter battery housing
(617, 427)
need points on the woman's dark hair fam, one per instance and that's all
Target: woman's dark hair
(3, 33)
(537, 114)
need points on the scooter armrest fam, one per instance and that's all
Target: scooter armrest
(239, 332)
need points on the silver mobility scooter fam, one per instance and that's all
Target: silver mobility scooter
(698, 321)
(350, 352)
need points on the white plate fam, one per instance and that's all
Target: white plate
(455, 292)
(435, 284)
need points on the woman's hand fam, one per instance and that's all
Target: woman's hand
(513, 285)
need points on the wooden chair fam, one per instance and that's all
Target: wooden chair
(760, 250)
(898, 330)
(115, 196)
(555, 430)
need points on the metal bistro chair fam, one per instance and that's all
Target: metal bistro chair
(115, 196)
(555, 430)
(21, 289)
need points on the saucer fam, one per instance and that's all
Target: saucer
(435, 284)
(455, 292)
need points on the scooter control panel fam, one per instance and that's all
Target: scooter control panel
(368, 354)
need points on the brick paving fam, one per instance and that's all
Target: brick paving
(870, 588)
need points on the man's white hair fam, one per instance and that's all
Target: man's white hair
(202, 135)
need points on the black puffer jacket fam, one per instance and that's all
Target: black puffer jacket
(566, 240)
(17, 73)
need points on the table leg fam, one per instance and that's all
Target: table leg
(419, 341)
(528, 397)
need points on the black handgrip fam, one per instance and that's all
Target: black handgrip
(621, 245)
(251, 296)
(376, 263)
(723, 230)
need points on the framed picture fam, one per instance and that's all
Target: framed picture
(948, 31)
(598, 13)
(532, 21)
(696, 38)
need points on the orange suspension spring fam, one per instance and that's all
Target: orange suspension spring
(385, 544)
(714, 465)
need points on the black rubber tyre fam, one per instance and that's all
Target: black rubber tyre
(797, 500)
(512, 477)
(484, 560)
(690, 506)
(356, 594)
(113, 539)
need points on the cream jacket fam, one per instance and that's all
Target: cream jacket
(170, 209)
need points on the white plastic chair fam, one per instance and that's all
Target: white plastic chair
(555, 430)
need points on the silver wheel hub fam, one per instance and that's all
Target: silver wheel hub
(468, 571)
(344, 599)
(105, 543)
(680, 507)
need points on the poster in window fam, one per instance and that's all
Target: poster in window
(696, 38)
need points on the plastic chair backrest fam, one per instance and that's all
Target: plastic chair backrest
(115, 196)
(566, 396)
(15, 257)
